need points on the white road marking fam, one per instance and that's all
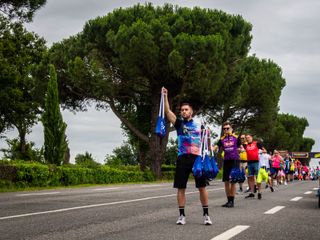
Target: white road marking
(231, 232)
(105, 189)
(308, 192)
(295, 199)
(36, 194)
(315, 188)
(100, 205)
(274, 210)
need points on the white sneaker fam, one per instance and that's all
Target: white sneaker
(207, 220)
(181, 220)
(285, 183)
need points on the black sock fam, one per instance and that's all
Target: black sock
(241, 189)
(181, 211)
(231, 199)
(205, 210)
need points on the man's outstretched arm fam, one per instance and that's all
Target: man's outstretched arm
(169, 114)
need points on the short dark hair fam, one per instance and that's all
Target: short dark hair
(186, 103)
(226, 123)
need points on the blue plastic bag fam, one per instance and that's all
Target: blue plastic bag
(161, 127)
(197, 168)
(210, 167)
(207, 167)
(242, 176)
(161, 121)
(235, 175)
(214, 166)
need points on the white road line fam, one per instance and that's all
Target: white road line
(36, 194)
(315, 188)
(231, 232)
(274, 210)
(295, 199)
(99, 205)
(308, 192)
(105, 189)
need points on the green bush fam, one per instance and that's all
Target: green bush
(168, 175)
(22, 174)
(6, 184)
(8, 172)
(165, 168)
(33, 174)
(30, 174)
(126, 167)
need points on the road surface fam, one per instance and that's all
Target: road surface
(149, 211)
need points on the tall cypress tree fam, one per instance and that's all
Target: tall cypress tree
(55, 143)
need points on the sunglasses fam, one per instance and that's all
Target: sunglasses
(226, 128)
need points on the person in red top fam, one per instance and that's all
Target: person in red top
(252, 149)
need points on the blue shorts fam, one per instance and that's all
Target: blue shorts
(253, 168)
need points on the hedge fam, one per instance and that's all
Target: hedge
(21, 174)
(40, 175)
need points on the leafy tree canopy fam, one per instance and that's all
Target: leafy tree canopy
(123, 59)
(124, 155)
(86, 160)
(22, 10)
(31, 154)
(252, 98)
(288, 134)
(54, 128)
(20, 52)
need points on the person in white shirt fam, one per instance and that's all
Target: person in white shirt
(264, 167)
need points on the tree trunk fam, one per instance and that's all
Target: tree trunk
(22, 139)
(66, 159)
(156, 145)
(157, 148)
(142, 159)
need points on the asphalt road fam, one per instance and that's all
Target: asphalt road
(149, 211)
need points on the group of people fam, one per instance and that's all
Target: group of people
(273, 168)
(239, 152)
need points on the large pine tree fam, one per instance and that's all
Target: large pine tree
(55, 143)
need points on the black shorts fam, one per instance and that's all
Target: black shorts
(183, 169)
(227, 167)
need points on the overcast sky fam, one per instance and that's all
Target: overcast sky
(286, 31)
